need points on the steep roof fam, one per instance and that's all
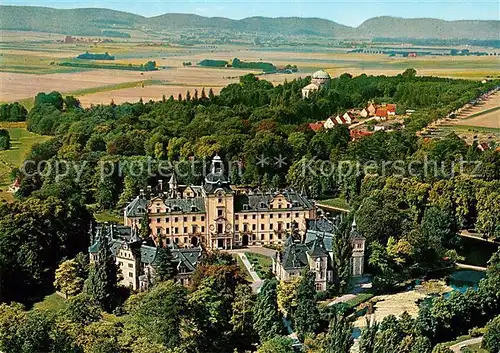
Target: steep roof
(137, 207)
(260, 201)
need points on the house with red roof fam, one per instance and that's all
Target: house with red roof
(381, 114)
(391, 109)
(317, 126)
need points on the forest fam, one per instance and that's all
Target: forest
(410, 221)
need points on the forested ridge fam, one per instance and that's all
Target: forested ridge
(410, 221)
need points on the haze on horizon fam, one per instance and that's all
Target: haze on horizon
(351, 13)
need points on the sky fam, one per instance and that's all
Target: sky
(351, 13)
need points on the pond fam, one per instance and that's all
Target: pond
(461, 280)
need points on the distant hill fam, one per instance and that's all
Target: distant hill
(93, 22)
(393, 27)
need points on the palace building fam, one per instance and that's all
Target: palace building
(217, 215)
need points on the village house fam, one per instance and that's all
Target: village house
(364, 113)
(136, 257)
(371, 109)
(316, 254)
(381, 114)
(217, 215)
(317, 126)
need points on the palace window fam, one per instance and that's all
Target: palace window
(236, 227)
(262, 237)
(288, 215)
(253, 226)
(194, 218)
(202, 229)
(219, 200)
(176, 230)
(270, 236)
(296, 215)
(261, 227)
(176, 219)
(185, 219)
(185, 230)
(130, 274)
(130, 265)
(279, 215)
(254, 216)
(167, 220)
(270, 226)
(219, 212)
(167, 230)
(236, 217)
(244, 216)
(271, 215)
(158, 220)
(202, 218)
(261, 216)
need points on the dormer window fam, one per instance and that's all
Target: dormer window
(245, 207)
(262, 205)
(295, 204)
(194, 208)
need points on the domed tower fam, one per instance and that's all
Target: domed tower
(320, 78)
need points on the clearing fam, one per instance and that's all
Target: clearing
(21, 142)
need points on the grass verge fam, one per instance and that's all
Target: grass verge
(338, 202)
(261, 263)
(243, 268)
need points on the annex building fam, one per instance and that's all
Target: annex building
(218, 216)
(136, 257)
(316, 253)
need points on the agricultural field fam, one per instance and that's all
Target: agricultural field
(29, 64)
(21, 143)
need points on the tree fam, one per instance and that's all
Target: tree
(491, 339)
(101, 284)
(342, 253)
(306, 317)
(4, 139)
(277, 344)
(421, 344)
(339, 337)
(244, 335)
(441, 348)
(287, 296)
(158, 314)
(68, 278)
(164, 265)
(267, 319)
(368, 337)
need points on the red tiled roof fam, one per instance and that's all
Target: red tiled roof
(359, 133)
(391, 108)
(382, 112)
(316, 126)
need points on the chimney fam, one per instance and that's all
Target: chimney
(160, 185)
(141, 193)
(148, 188)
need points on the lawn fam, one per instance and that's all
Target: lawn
(108, 216)
(51, 303)
(360, 298)
(338, 202)
(262, 264)
(21, 142)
